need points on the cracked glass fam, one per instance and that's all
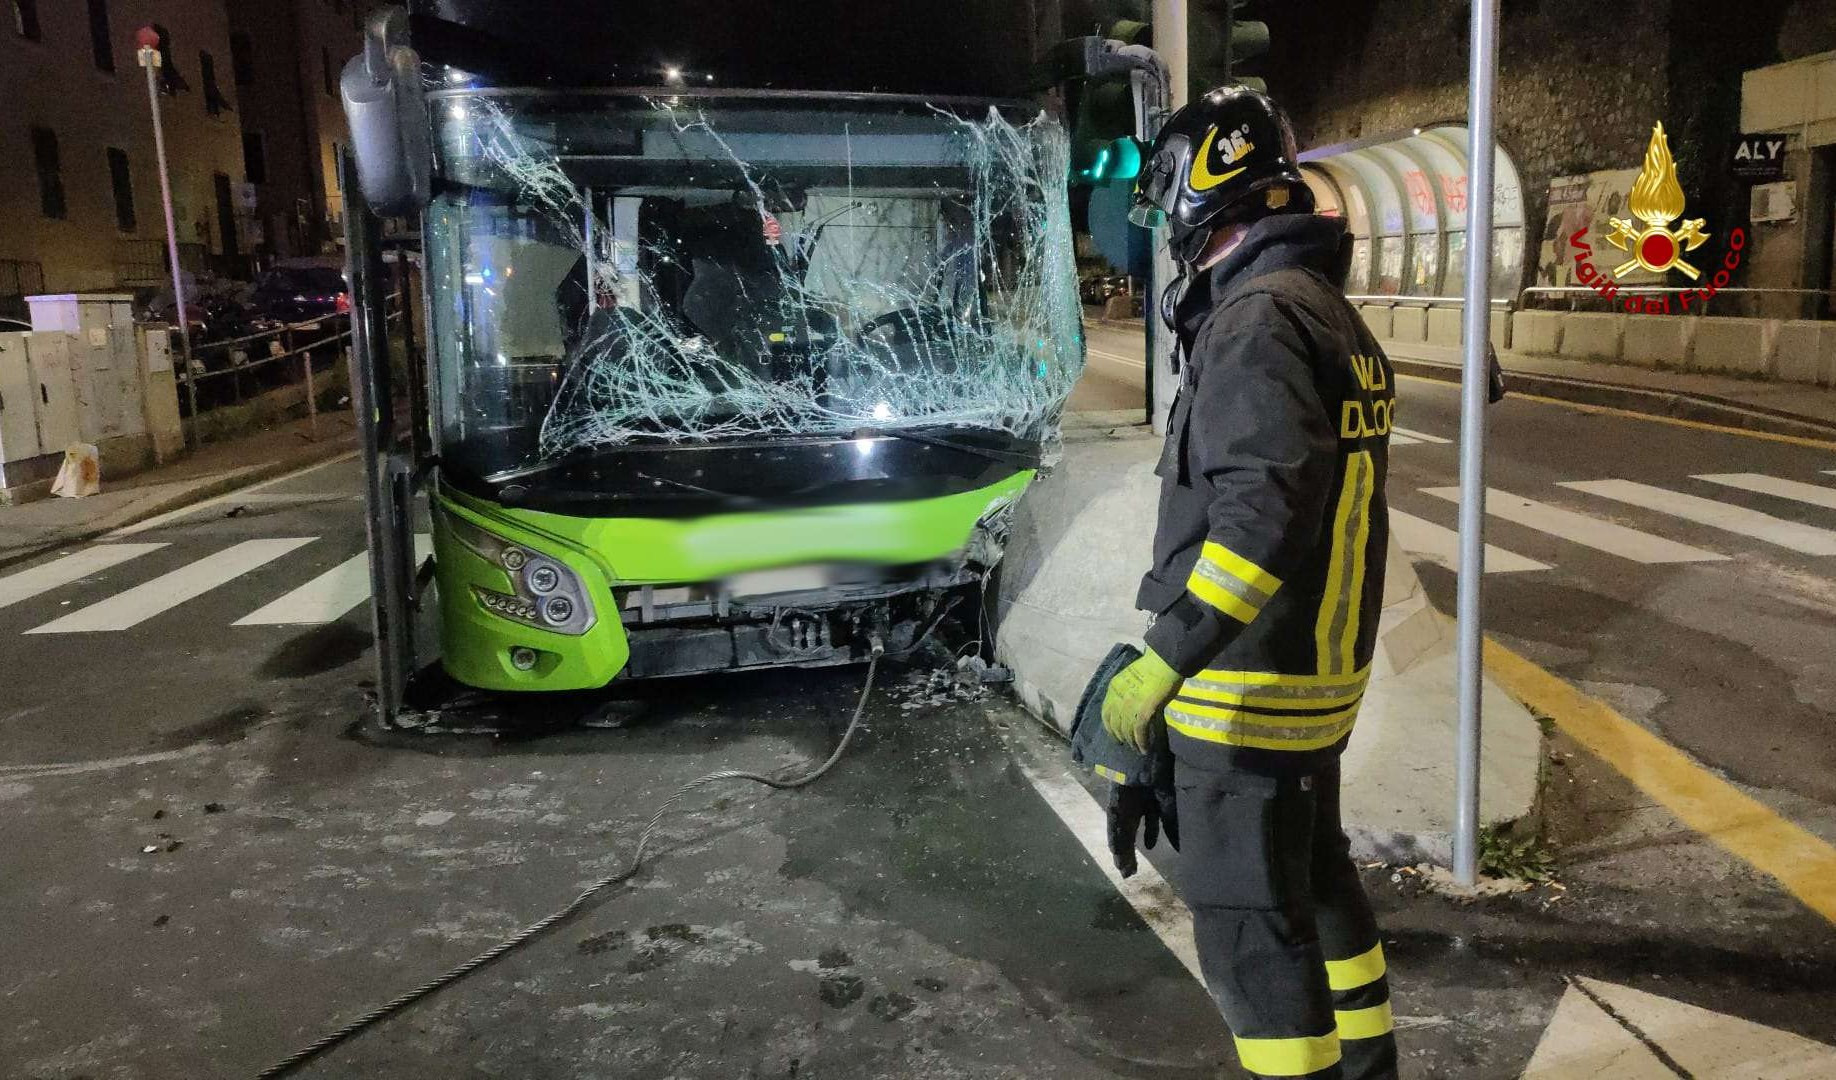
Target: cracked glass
(616, 271)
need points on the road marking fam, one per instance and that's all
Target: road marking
(1746, 828)
(143, 601)
(1717, 515)
(326, 598)
(1123, 360)
(1608, 410)
(72, 567)
(1419, 436)
(1599, 534)
(1148, 892)
(1603, 1029)
(1815, 494)
(240, 493)
(1442, 546)
(1398, 439)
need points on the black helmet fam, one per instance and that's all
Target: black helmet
(1208, 161)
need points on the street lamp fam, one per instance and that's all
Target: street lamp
(148, 39)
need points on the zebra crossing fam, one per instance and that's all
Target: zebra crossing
(1625, 519)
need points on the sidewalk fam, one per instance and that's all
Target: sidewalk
(1780, 408)
(35, 527)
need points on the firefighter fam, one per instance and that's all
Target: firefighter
(1266, 586)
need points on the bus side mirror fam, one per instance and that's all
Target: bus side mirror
(387, 110)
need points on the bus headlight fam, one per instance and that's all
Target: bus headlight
(548, 595)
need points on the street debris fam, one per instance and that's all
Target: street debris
(967, 680)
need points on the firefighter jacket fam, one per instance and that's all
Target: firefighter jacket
(1269, 551)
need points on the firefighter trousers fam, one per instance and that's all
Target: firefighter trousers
(1286, 938)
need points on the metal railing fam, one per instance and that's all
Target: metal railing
(1417, 301)
(1581, 294)
(271, 359)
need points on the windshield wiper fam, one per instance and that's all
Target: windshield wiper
(1005, 457)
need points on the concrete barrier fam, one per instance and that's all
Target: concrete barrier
(1805, 352)
(1081, 539)
(1733, 345)
(1500, 329)
(1537, 332)
(1588, 336)
(1655, 341)
(1409, 324)
(1378, 318)
(1444, 326)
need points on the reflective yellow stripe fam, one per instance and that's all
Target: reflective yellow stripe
(1259, 736)
(1212, 593)
(1198, 688)
(1108, 773)
(1240, 567)
(1365, 1023)
(1229, 715)
(1277, 678)
(1337, 622)
(1354, 593)
(1367, 967)
(1289, 1057)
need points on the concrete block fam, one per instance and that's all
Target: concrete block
(1377, 317)
(1733, 345)
(1657, 341)
(1444, 326)
(1500, 329)
(1805, 352)
(1591, 336)
(1409, 324)
(1538, 332)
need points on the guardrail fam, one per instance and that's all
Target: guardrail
(240, 374)
(1580, 294)
(1418, 301)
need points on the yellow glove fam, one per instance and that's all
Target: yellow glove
(1136, 696)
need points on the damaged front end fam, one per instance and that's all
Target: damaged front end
(732, 381)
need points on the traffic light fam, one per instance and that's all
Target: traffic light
(1103, 149)
(1223, 46)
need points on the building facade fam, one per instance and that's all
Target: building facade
(252, 120)
(287, 58)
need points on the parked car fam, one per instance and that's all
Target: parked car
(298, 290)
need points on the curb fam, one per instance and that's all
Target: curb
(209, 488)
(1670, 404)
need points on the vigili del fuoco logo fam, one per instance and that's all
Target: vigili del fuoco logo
(1656, 201)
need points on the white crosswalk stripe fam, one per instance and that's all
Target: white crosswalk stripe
(326, 598)
(62, 571)
(1439, 545)
(1716, 515)
(144, 601)
(1418, 436)
(1597, 533)
(1815, 494)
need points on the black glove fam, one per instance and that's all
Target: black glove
(1131, 806)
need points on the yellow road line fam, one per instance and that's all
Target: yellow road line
(1746, 828)
(1675, 421)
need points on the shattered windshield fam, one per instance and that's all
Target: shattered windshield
(619, 271)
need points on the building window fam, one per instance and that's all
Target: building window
(25, 19)
(242, 59)
(215, 104)
(325, 66)
(100, 42)
(122, 177)
(50, 174)
(255, 157)
(170, 81)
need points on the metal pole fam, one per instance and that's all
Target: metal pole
(1170, 34)
(312, 399)
(149, 59)
(1475, 330)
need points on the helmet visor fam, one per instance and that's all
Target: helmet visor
(1147, 215)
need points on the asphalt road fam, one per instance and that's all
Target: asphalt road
(214, 859)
